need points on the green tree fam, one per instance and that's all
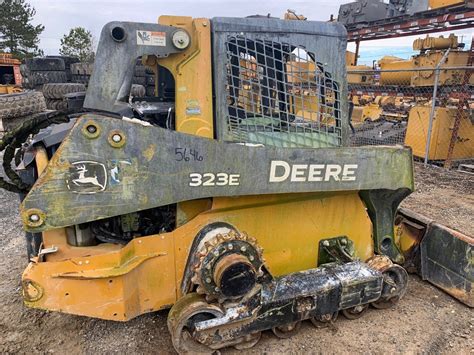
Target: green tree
(17, 35)
(78, 43)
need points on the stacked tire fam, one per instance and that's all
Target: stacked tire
(68, 61)
(81, 73)
(139, 80)
(39, 71)
(18, 108)
(150, 82)
(54, 94)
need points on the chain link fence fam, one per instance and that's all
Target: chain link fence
(429, 109)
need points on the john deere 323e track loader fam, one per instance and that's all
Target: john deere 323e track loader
(232, 197)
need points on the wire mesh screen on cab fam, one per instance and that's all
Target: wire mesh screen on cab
(278, 94)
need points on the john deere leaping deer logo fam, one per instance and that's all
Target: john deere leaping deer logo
(87, 177)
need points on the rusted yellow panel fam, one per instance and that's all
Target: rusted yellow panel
(446, 77)
(116, 285)
(443, 124)
(122, 282)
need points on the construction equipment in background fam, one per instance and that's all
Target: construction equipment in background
(148, 213)
(407, 79)
(366, 12)
(10, 77)
(443, 122)
(360, 74)
(396, 71)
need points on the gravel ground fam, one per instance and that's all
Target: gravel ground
(426, 320)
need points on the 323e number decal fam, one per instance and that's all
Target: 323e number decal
(210, 179)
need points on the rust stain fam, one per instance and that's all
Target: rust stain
(149, 152)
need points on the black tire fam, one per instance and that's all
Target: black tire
(140, 71)
(58, 90)
(81, 79)
(50, 104)
(82, 68)
(150, 80)
(45, 64)
(139, 80)
(46, 77)
(57, 105)
(150, 91)
(67, 60)
(22, 104)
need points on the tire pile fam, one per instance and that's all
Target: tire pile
(150, 82)
(37, 72)
(143, 79)
(17, 108)
(54, 94)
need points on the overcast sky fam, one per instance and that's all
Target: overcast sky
(58, 16)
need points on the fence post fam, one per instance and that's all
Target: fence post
(433, 105)
(460, 112)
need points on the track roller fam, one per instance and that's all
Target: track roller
(355, 312)
(324, 320)
(287, 331)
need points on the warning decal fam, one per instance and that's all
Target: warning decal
(150, 38)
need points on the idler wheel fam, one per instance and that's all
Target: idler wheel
(234, 275)
(188, 311)
(286, 331)
(395, 280)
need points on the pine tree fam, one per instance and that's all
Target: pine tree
(17, 35)
(78, 43)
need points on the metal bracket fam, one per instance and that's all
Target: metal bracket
(42, 252)
(338, 249)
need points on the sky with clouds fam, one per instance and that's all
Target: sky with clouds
(59, 16)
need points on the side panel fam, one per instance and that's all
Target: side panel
(147, 274)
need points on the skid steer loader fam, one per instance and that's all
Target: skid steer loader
(239, 216)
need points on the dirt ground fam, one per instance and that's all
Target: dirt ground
(426, 320)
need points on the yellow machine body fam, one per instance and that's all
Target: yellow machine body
(447, 77)
(365, 77)
(370, 112)
(401, 77)
(350, 58)
(122, 282)
(443, 123)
